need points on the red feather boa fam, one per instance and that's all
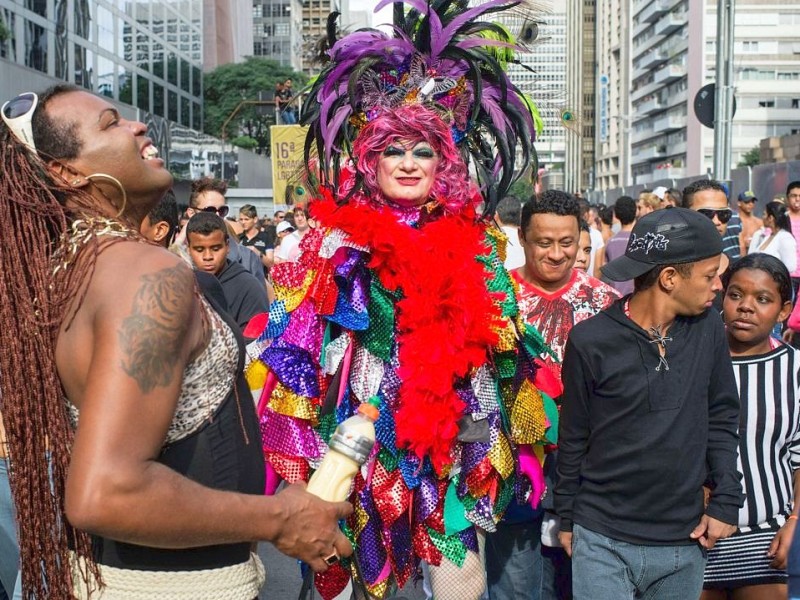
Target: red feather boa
(446, 319)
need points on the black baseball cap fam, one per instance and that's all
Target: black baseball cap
(747, 196)
(669, 236)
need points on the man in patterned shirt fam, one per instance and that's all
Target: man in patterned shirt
(553, 296)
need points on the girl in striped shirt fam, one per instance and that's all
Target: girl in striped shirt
(752, 562)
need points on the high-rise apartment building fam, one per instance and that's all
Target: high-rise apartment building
(649, 116)
(581, 83)
(662, 52)
(612, 105)
(278, 31)
(766, 74)
(315, 19)
(543, 78)
(227, 32)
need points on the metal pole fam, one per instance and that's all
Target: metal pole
(398, 14)
(222, 131)
(626, 118)
(723, 93)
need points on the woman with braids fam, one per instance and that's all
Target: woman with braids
(400, 294)
(133, 441)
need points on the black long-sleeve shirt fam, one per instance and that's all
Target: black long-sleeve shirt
(636, 444)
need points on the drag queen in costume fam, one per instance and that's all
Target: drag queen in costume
(401, 293)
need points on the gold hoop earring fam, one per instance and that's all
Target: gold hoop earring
(116, 182)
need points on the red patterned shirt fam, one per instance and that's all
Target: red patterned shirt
(554, 314)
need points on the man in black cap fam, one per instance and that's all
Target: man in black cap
(649, 415)
(750, 222)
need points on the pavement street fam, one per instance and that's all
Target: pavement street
(283, 578)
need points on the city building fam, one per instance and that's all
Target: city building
(766, 74)
(612, 107)
(779, 149)
(227, 32)
(278, 30)
(582, 82)
(146, 56)
(315, 19)
(542, 75)
(353, 18)
(647, 116)
(664, 44)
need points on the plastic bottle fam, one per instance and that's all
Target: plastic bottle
(348, 449)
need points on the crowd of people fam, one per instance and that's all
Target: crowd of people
(575, 401)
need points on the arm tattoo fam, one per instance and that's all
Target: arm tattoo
(151, 336)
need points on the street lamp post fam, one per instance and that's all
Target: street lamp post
(723, 114)
(223, 130)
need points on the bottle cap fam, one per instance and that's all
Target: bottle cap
(370, 408)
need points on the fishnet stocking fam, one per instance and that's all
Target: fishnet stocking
(468, 582)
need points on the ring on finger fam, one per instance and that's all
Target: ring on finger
(332, 558)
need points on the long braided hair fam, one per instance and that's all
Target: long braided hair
(37, 302)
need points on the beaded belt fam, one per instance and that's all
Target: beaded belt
(235, 582)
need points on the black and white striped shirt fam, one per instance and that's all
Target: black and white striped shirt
(769, 430)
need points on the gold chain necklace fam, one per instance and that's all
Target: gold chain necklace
(83, 230)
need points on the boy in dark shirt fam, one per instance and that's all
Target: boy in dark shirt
(650, 413)
(207, 240)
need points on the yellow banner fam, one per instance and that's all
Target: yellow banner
(287, 161)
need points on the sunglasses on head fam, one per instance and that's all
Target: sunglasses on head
(222, 211)
(17, 115)
(723, 214)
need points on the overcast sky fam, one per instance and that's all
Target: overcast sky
(385, 16)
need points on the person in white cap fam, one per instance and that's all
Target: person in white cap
(660, 192)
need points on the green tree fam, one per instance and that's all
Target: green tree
(751, 158)
(522, 188)
(228, 85)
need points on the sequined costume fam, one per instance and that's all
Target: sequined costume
(401, 294)
(338, 333)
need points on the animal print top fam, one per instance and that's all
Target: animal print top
(207, 380)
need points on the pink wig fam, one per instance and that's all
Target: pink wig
(412, 123)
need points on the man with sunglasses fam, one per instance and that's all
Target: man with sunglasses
(710, 198)
(208, 195)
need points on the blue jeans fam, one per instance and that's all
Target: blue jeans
(793, 566)
(603, 567)
(9, 547)
(287, 117)
(514, 561)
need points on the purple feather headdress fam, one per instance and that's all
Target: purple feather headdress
(443, 57)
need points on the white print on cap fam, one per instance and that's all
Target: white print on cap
(649, 241)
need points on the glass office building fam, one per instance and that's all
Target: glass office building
(147, 54)
(144, 53)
